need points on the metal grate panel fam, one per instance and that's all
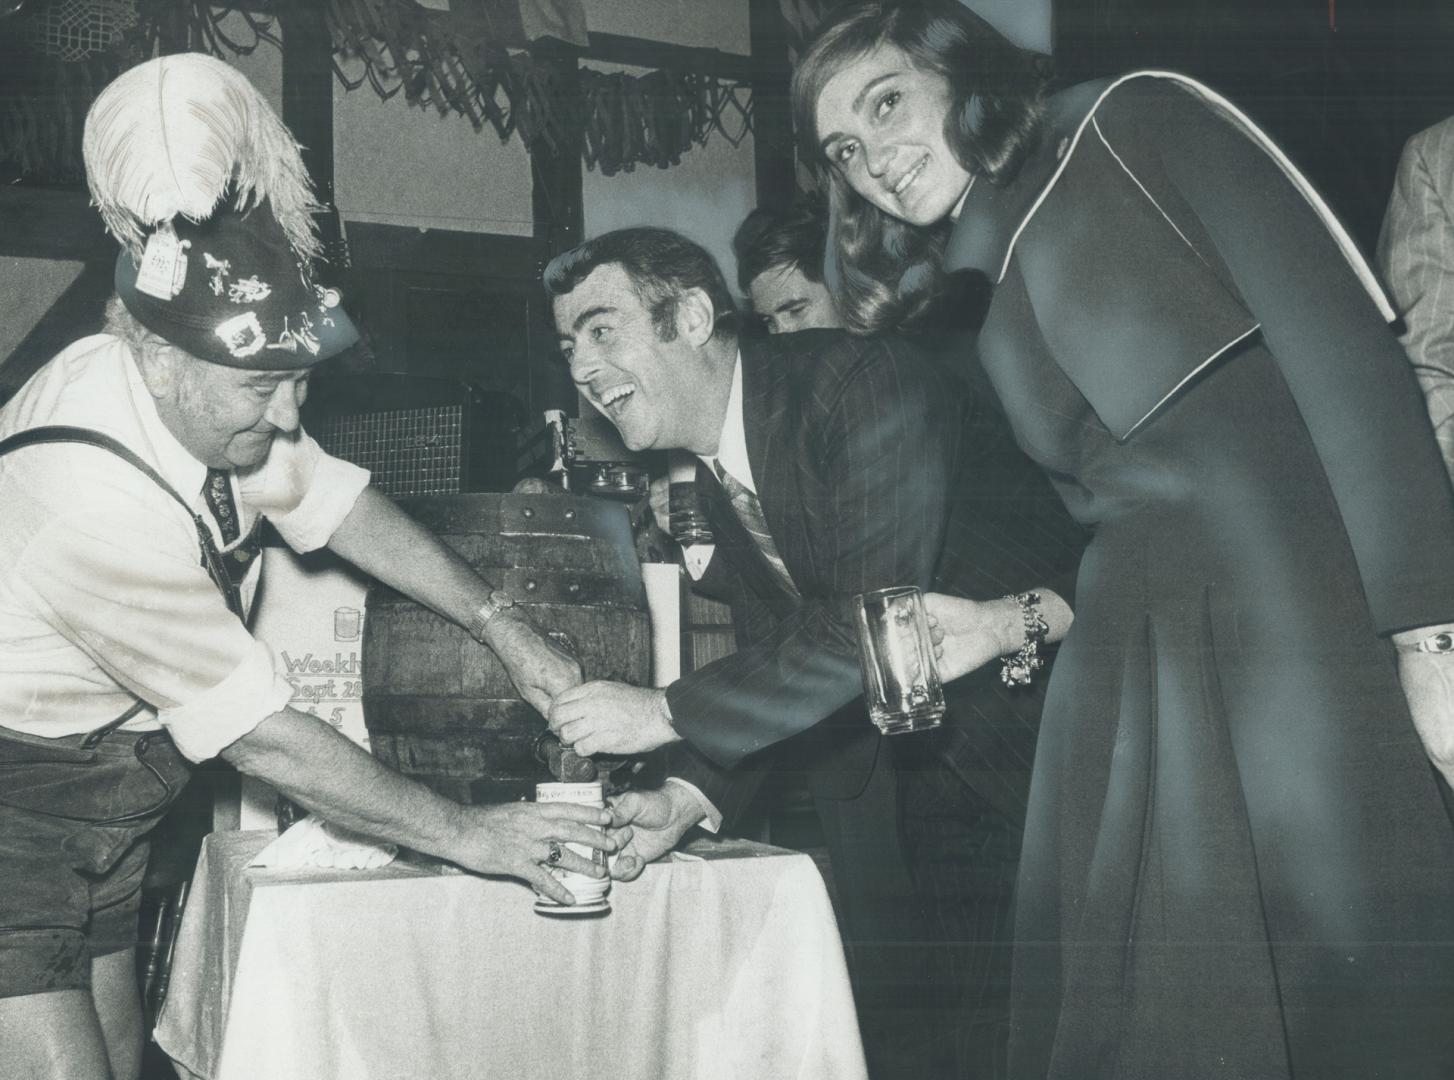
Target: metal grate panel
(407, 451)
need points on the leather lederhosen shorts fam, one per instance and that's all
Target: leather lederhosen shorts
(74, 814)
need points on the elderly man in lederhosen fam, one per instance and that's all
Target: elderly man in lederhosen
(134, 470)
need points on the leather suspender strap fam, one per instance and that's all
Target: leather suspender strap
(97, 734)
(211, 557)
(86, 435)
(55, 433)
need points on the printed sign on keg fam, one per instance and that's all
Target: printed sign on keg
(310, 612)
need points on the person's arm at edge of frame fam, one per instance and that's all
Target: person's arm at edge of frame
(1416, 256)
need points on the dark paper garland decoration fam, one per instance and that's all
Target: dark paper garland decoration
(465, 62)
(473, 61)
(654, 119)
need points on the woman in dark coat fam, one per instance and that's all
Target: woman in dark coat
(1236, 863)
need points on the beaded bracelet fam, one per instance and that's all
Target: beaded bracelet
(1019, 667)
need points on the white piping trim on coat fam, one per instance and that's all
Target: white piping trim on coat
(1350, 251)
(1190, 375)
(1136, 180)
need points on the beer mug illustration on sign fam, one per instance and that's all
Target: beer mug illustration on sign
(347, 624)
(900, 676)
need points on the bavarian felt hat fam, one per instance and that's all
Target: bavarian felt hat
(231, 289)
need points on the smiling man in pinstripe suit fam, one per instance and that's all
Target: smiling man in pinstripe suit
(853, 464)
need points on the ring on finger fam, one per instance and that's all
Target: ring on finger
(553, 858)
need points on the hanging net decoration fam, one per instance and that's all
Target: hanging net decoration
(73, 30)
(466, 60)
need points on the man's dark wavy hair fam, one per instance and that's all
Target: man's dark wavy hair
(661, 264)
(884, 272)
(795, 238)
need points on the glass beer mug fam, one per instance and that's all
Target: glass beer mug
(900, 676)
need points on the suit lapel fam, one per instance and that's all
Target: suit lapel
(767, 420)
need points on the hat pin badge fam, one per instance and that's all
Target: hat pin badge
(163, 269)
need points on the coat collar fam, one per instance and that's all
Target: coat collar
(992, 219)
(763, 375)
(765, 372)
(773, 450)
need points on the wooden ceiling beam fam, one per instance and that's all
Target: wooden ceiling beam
(639, 52)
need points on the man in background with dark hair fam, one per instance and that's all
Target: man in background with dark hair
(780, 267)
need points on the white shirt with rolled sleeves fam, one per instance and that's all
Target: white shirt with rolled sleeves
(103, 598)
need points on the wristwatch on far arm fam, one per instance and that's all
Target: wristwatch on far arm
(1441, 642)
(496, 602)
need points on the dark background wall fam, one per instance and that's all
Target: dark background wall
(1340, 84)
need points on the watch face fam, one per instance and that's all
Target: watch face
(493, 605)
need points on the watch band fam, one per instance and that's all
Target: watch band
(496, 602)
(1437, 643)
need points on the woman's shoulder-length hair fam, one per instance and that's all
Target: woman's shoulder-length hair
(882, 271)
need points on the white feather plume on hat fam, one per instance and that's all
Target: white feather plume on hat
(171, 135)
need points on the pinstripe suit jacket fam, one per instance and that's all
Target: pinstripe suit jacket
(1416, 255)
(875, 466)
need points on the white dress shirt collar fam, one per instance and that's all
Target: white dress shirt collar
(732, 443)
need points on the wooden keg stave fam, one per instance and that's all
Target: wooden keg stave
(439, 706)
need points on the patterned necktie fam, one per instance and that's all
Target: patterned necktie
(233, 566)
(749, 512)
(218, 491)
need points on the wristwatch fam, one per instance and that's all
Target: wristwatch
(1437, 643)
(496, 602)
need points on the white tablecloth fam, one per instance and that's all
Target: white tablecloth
(726, 967)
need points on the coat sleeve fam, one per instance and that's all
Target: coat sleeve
(1344, 367)
(883, 443)
(1416, 255)
(730, 790)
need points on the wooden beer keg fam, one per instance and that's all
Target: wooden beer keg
(438, 706)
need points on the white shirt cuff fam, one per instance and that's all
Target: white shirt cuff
(333, 490)
(712, 817)
(696, 557)
(217, 718)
